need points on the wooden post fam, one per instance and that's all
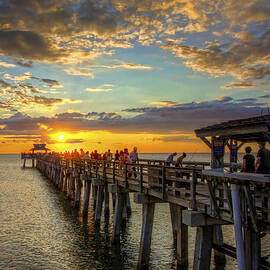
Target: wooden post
(94, 196)
(33, 163)
(100, 198)
(128, 205)
(146, 235)
(182, 240)
(70, 186)
(78, 191)
(65, 182)
(252, 248)
(113, 200)
(240, 252)
(203, 248)
(219, 257)
(87, 189)
(174, 220)
(117, 221)
(24, 161)
(107, 200)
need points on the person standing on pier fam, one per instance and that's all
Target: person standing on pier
(134, 159)
(262, 164)
(248, 164)
(179, 160)
(169, 159)
(116, 155)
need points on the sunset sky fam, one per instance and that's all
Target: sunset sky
(118, 73)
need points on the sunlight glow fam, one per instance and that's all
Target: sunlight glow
(61, 137)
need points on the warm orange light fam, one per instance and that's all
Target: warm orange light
(61, 137)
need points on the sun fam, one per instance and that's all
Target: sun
(61, 137)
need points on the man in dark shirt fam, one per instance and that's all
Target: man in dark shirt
(262, 164)
(248, 164)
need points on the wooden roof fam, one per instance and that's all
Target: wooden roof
(252, 129)
(39, 147)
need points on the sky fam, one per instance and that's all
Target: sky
(116, 73)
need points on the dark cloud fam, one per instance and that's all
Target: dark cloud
(179, 138)
(25, 138)
(25, 44)
(74, 141)
(69, 115)
(24, 63)
(52, 83)
(170, 120)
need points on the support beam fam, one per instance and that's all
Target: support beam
(106, 200)
(219, 257)
(78, 191)
(206, 142)
(146, 235)
(182, 240)
(252, 248)
(117, 221)
(203, 248)
(174, 221)
(240, 252)
(87, 189)
(98, 210)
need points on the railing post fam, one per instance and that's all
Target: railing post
(113, 176)
(193, 190)
(141, 178)
(163, 182)
(126, 176)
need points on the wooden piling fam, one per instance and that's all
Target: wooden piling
(106, 200)
(146, 235)
(78, 191)
(87, 189)
(182, 240)
(174, 221)
(240, 251)
(99, 203)
(203, 248)
(117, 221)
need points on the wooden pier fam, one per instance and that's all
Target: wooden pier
(207, 199)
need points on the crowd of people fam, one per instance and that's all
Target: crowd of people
(250, 164)
(122, 156)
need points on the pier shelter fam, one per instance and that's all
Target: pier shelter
(233, 134)
(36, 149)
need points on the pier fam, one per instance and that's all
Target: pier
(198, 196)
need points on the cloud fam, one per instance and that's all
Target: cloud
(22, 77)
(170, 121)
(26, 44)
(128, 66)
(52, 83)
(24, 138)
(93, 89)
(7, 65)
(74, 141)
(176, 138)
(77, 72)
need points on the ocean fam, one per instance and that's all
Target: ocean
(39, 229)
